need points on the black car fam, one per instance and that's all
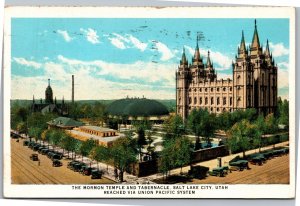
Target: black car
(31, 145)
(34, 157)
(36, 147)
(86, 170)
(44, 151)
(78, 166)
(25, 143)
(56, 163)
(96, 174)
(71, 164)
(41, 148)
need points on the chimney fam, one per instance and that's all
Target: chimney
(72, 89)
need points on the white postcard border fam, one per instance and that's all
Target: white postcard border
(66, 191)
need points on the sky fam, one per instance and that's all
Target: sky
(114, 58)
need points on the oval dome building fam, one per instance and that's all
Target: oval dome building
(137, 109)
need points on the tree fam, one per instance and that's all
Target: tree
(202, 123)
(271, 124)
(123, 153)
(283, 112)
(56, 137)
(86, 147)
(174, 128)
(183, 154)
(22, 128)
(260, 128)
(67, 143)
(100, 154)
(240, 136)
(35, 132)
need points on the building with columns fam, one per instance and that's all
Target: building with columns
(253, 83)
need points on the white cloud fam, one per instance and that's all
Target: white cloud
(137, 43)
(65, 35)
(278, 49)
(127, 41)
(91, 35)
(215, 56)
(283, 65)
(166, 53)
(117, 43)
(28, 63)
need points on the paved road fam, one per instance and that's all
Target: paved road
(26, 171)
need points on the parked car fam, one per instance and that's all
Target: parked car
(34, 157)
(71, 164)
(31, 145)
(25, 143)
(256, 159)
(36, 147)
(198, 172)
(219, 171)
(44, 151)
(41, 148)
(85, 170)
(56, 163)
(96, 174)
(238, 163)
(78, 166)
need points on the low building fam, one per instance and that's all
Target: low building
(64, 123)
(103, 136)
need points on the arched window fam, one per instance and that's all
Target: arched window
(195, 100)
(218, 100)
(206, 100)
(190, 100)
(211, 100)
(200, 100)
(230, 100)
(224, 100)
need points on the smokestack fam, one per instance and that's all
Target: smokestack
(72, 89)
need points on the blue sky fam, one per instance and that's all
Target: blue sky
(113, 58)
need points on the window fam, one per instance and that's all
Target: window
(206, 100)
(195, 100)
(206, 89)
(218, 100)
(218, 109)
(200, 101)
(200, 89)
(224, 89)
(179, 100)
(212, 89)
(190, 100)
(218, 89)
(211, 109)
(230, 88)
(224, 100)
(230, 101)
(211, 100)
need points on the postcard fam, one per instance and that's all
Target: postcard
(149, 102)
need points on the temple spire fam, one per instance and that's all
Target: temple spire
(267, 52)
(183, 58)
(243, 45)
(255, 39)
(49, 82)
(208, 63)
(197, 51)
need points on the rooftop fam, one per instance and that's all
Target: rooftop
(98, 129)
(65, 122)
(95, 137)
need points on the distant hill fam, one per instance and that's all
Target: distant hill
(169, 103)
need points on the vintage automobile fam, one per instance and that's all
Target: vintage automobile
(198, 172)
(77, 166)
(96, 174)
(36, 147)
(34, 157)
(85, 170)
(238, 163)
(25, 143)
(31, 145)
(56, 163)
(257, 159)
(44, 151)
(268, 154)
(219, 171)
(71, 164)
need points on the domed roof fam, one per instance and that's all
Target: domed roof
(137, 107)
